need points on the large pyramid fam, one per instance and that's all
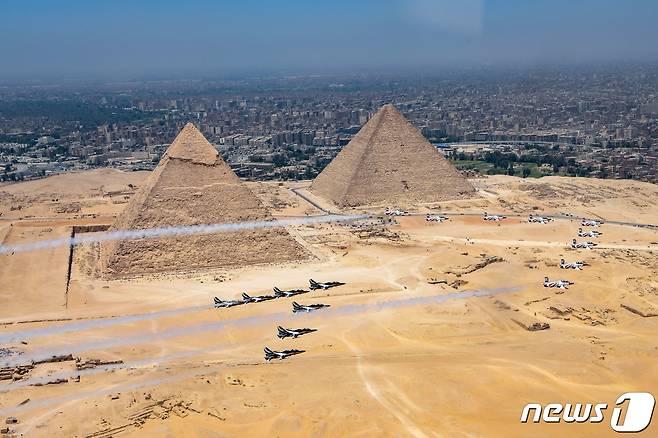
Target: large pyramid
(389, 162)
(192, 185)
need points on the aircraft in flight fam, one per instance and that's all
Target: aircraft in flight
(249, 299)
(493, 217)
(298, 308)
(539, 219)
(592, 233)
(226, 303)
(560, 284)
(436, 218)
(582, 245)
(396, 212)
(590, 223)
(573, 265)
(288, 293)
(269, 354)
(293, 333)
(314, 285)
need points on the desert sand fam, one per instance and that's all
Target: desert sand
(403, 351)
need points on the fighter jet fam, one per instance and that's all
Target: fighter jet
(395, 212)
(573, 265)
(592, 233)
(226, 303)
(298, 308)
(248, 299)
(293, 333)
(560, 284)
(288, 293)
(582, 245)
(269, 354)
(539, 219)
(493, 217)
(314, 285)
(435, 218)
(590, 223)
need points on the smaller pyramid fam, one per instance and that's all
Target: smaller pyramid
(192, 185)
(390, 162)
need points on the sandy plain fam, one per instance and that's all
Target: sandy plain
(404, 350)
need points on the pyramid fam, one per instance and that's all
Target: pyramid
(192, 185)
(389, 162)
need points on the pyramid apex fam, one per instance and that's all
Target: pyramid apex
(191, 145)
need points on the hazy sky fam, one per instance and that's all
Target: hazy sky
(159, 38)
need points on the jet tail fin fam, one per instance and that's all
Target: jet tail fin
(218, 301)
(245, 296)
(296, 305)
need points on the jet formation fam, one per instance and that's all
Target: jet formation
(282, 332)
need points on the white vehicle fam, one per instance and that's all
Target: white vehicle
(493, 217)
(573, 265)
(539, 219)
(582, 245)
(590, 223)
(559, 284)
(435, 218)
(592, 233)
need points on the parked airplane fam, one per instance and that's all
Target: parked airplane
(288, 293)
(560, 284)
(590, 223)
(582, 245)
(396, 212)
(493, 217)
(269, 354)
(573, 265)
(228, 303)
(592, 233)
(248, 299)
(314, 285)
(293, 333)
(297, 308)
(539, 219)
(435, 218)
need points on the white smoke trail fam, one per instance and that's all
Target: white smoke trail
(151, 233)
(278, 317)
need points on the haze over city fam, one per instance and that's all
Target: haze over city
(391, 218)
(123, 39)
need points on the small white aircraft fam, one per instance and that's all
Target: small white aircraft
(560, 284)
(573, 265)
(539, 219)
(582, 245)
(592, 233)
(396, 212)
(436, 218)
(590, 223)
(493, 217)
